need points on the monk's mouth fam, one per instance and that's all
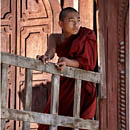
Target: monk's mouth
(76, 29)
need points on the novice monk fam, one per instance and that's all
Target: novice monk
(75, 47)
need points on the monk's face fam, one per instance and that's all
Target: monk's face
(70, 24)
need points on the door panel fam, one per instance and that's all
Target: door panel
(34, 41)
(26, 25)
(34, 24)
(8, 44)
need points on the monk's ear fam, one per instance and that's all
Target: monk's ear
(60, 23)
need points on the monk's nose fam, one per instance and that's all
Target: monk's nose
(76, 24)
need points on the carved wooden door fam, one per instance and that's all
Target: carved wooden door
(34, 24)
(8, 44)
(26, 25)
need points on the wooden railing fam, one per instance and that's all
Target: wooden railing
(52, 119)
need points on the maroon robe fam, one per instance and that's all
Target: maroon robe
(83, 48)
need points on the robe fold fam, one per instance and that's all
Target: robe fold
(83, 48)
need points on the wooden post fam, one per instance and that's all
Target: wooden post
(28, 96)
(77, 93)
(55, 97)
(4, 91)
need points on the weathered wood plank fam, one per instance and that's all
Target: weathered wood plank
(48, 119)
(28, 96)
(49, 67)
(26, 125)
(28, 90)
(55, 94)
(4, 91)
(54, 97)
(77, 96)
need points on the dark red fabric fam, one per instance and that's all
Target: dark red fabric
(82, 47)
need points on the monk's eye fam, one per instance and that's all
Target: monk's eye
(71, 20)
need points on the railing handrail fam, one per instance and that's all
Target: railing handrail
(34, 64)
(53, 119)
(48, 119)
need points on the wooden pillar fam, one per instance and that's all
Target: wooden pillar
(112, 19)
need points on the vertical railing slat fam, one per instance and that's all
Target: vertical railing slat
(54, 97)
(28, 96)
(77, 96)
(4, 91)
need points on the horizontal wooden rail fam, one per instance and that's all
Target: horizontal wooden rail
(52, 119)
(35, 64)
(49, 119)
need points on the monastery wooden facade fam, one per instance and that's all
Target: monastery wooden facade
(25, 26)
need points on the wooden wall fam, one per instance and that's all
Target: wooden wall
(8, 44)
(25, 27)
(113, 31)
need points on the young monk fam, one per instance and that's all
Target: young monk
(75, 47)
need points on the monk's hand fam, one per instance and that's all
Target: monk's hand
(62, 63)
(44, 58)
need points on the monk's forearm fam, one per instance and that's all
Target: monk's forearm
(50, 53)
(72, 63)
(51, 46)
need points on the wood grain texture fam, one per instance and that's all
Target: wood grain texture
(54, 97)
(28, 96)
(4, 91)
(50, 68)
(49, 119)
(77, 97)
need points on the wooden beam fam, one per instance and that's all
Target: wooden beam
(49, 67)
(77, 96)
(48, 119)
(55, 97)
(28, 96)
(4, 91)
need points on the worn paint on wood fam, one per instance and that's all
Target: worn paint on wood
(4, 91)
(36, 19)
(28, 96)
(8, 44)
(50, 68)
(77, 97)
(77, 93)
(55, 94)
(49, 119)
(54, 97)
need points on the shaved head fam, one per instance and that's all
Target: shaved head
(65, 11)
